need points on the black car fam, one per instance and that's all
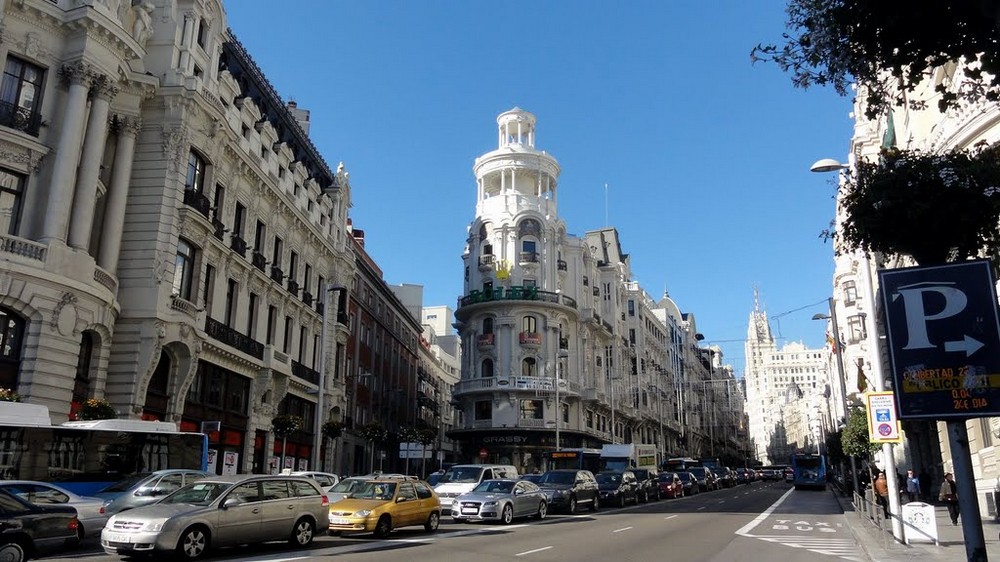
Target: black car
(617, 488)
(28, 530)
(649, 488)
(567, 489)
(690, 483)
(706, 479)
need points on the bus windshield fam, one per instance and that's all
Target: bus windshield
(808, 471)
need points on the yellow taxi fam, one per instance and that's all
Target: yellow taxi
(381, 505)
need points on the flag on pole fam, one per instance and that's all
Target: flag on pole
(862, 381)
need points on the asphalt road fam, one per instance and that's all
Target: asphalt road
(761, 522)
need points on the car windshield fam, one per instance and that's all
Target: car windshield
(375, 491)
(684, 476)
(199, 493)
(554, 477)
(536, 478)
(461, 474)
(699, 472)
(606, 478)
(348, 486)
(495, 487)
(666, 477)
(125, 485)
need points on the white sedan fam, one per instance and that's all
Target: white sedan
(89, 510)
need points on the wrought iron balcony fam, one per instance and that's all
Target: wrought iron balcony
(277, 274)
(258, 260)
(516, 293)
(197, 201)
(293, 286)
(307, 298)
(485, 341)
(305, 373)
(320, 308)
(219, 331)
(19, 118)
(529, 257)
(219, 229)
(238, 245)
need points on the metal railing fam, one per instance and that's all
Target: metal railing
(19, 118)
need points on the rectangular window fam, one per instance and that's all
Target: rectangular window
(272, 317)
(218, 201)
(252, 314)
(239, 219)
(631, 307)
(258, 239)
(287, 343)
(532, 410)
(184, 270)
(293, 265)
(209, 289)
(306, 278)
(21, 95)
(856, 328)
(850, 293)
(276, 254)
(302, 344)
(484, 410)
(232, 289)
(202, 33)
(195, 173)
(11, 200)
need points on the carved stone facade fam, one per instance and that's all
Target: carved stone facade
(178, 271)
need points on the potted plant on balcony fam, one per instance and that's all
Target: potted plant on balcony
(8, 395)
(96, 409)
(285, 425)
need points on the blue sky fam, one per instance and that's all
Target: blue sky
(706, 156)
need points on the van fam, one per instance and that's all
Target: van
(462, 478)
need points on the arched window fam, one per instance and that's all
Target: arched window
(11, 340)
(81, 382)
(529, 367)
(488, 325)
(487, 370)
(529, 324)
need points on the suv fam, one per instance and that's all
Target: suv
(221, 511)
(706, 480)
(568, 488)
(145, 488)
(617, 488)
(649, 489)
(27, 529)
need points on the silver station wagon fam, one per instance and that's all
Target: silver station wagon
(220, 511)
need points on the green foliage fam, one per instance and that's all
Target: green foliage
(426, 436)
(332, 429)
(373, 432)
(854, 437)
(286, 425)
(889, 46)
(8, 395)
(96, 409)
(408, 435)
(933, 207)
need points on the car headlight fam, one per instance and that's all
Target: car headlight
(490, 503)
(363, 513)
(154, 526)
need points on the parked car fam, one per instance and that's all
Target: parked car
(617, 488)
(348, 486)
(145, 488)
(220, 511)
(28, 530)
(89, 510)
(462, 478)
(649, 489)
(789, 475)
(384, 504)
(533, 478)
(670, 485)
(689, 483)
(725, 478)
(325, 480)
(705, 477)
(501, 500)
(567, 489)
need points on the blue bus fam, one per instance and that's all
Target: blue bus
(87, 456)
(808, 471)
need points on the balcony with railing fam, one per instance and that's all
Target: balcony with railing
(467, 386)
(220, 332)
(19, 118)
(530, 339)
(516, 293)
(219, 229)
(528, 257)
(276, 274)
(197, 201)
(258, 260)
(305, 373)
(293, 287)
(307, 298)
(21, 250)
(485, 342)
(238, 245)
(486, 262)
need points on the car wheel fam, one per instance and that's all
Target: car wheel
(302, 533)
(12, 552)
(383, 527)
(193, 543)
(543, 510)
(507, 514)
(433, 520)
(572, 504)
(621, 500)
(596, 504)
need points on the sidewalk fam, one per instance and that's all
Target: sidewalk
(880, 546)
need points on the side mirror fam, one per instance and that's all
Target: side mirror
(230, 502)
(400, 500)
(518, 492)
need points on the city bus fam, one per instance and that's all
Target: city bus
(87, 456)
(808, 471)
(679, 464)
(583, 459)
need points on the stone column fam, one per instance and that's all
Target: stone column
(114, 213)
(67, 153)
(90, 164)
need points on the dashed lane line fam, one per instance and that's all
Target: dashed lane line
(527, 552)
(622, 529)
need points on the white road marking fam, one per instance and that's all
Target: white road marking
(670, 516)
(533, 551)
(622, 529)
(745, 530)
(700, 508)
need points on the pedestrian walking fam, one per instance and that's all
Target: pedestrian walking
(912, 486)
(881, 487)
(949, 495)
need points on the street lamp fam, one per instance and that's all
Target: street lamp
(321, 383)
